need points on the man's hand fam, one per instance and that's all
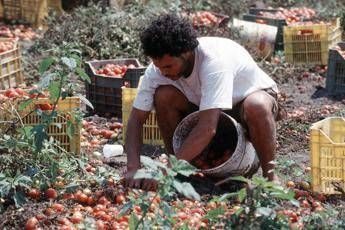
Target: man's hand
(145, 184)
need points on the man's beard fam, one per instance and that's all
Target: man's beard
(186, 70)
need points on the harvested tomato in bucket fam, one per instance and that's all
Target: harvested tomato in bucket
(228, 154)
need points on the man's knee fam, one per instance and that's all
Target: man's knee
(164, 95)
(170, 96)
(258, 106)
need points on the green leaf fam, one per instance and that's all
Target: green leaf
(240, 178)
(283, 195)
(19, 199)
(5, 187)
(72, 187)
(70, 129)
(40, 135)
(54, 91)
(142, 173)
(133, 222)
(86, 101)
(69, 62)
(25, 104)
(225, 197)
(127, 206)
(242, 194)
(2, 176)
(213, 214)
(45, 64)
(186, 189)
(151, 164)
(239, 211)
(295, 203)
(167, 210)
(22, 180)
(81, 73)
(181, 166)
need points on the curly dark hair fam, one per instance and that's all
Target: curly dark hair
(168, 34)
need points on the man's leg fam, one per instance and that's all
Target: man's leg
(171, 107)
(259, 115)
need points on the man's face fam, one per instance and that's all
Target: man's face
(172, 67)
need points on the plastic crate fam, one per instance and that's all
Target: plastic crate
(12, 9)
(335, 82)
(151, 132)
(58, 128)
(105, 92)
(29, 11)
(327, 145)
(310, 43)
(280, 23)
(10, 67)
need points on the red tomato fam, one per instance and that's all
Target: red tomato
(77, 217)
(58, 207)
(20, 91)
(44, 107)
(120, 199)
(11, 93)
(31, 224)
(34, 194)
(51, 193)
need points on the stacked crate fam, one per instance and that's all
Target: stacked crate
(105, 92)
(335, 82)
(309, 44)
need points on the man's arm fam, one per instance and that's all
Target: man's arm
(200, 136)
(133, 142)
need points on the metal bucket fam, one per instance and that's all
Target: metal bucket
(243, 160)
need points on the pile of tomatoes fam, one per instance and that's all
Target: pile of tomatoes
(19, 93)
(205, 18)
(6, 46)
(291, 16)
(93, 136)
(114, 70)
(18, 31)
(105, 209)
